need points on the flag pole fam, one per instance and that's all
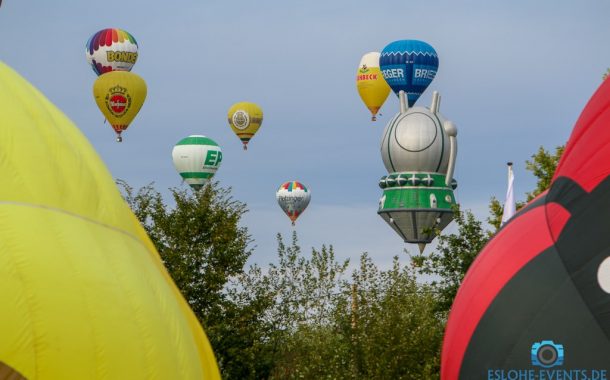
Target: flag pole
(509, 204)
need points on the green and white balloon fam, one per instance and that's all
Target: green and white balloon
(197, 159)
(419, 150)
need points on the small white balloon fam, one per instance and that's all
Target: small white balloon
(293, 197)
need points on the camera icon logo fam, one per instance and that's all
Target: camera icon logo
(547, 354)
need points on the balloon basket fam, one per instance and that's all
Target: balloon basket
(373, 118)
(119, 138)
(292, 224)
(245, 147)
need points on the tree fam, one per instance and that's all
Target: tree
(203, 246)
(382, 325)
(397, 333)
(300, 317)
(542, 165)
(319, 324)
(300, 294)
(199, 240)
(447, 265)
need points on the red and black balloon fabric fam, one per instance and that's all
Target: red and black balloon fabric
(544, 277)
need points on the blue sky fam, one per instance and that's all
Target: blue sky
(513, 76)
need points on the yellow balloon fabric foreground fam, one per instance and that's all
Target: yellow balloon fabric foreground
(372, 88)
(83, 291)
(245, 118)
(119, 95)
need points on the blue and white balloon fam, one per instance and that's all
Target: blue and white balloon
(410, 66)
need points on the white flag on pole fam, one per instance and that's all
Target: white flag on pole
(509, 204)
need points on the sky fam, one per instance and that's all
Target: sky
(513, 76)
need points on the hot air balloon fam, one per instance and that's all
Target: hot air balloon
(197, 158)
(409, 66)
(293, 197)
(536, 301)
(85, 293)
(119, 95)
(111, 50)
(245, 119)
(419, 150)
(371, 86)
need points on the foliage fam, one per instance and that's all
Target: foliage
(300, 294)
(303, 289)
(496, 211)
(203, 246)
(199, 240)
(543, 165)
(383, 325)
(447, 265)
(316, 324)
(455, 253)
(304, 317)
(397, 333)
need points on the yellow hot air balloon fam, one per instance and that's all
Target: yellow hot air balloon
(119, 95)
(373, 89)
(245, 119)
(84, 293)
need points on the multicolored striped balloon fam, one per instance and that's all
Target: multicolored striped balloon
(197, 158)
(111, 50)
(293, 197)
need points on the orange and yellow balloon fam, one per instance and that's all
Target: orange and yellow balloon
(372, 87)
(245, 118)
(119, 95)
